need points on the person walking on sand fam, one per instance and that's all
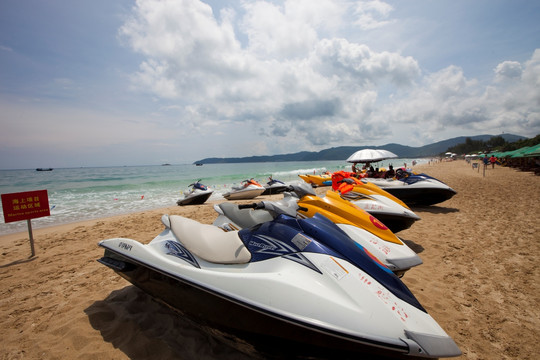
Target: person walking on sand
(492, 160)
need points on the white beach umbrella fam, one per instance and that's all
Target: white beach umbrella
(370, 155)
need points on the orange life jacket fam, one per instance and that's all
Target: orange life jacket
(344, 186)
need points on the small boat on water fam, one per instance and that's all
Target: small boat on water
(197, 195)
(249, 189)
(44, 169)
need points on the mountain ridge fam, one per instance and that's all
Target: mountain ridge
(343, 152)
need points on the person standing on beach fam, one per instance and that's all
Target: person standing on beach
(492, 160)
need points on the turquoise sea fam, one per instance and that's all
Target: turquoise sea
(77, 194)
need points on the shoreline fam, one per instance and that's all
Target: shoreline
(478, 280)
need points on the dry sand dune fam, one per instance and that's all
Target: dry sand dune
(479, 280)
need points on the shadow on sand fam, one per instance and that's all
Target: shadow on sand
(432, 209)
(417, 248)
(143, 328)
(16, 262)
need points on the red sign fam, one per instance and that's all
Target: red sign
(25, 205)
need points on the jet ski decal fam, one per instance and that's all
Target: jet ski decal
(377, 223)
(262, 244)
(266, 245)
(375, 259)
(301, 241)
(302, 260)
(175, 249)
(334, 268)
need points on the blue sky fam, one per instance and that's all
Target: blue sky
(91, 83)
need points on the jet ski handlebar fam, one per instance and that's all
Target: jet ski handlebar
(274, 207)
(257, 206)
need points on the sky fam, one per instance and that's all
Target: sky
(113, 83)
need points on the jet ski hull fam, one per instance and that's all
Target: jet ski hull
(421, 196)
(243, 194)
(255, 325)
(390, 213)
(416, 190)
(394, 222)
(268, 332)
(272, 190)
(194, 200)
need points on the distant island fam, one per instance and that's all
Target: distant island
(343, 152)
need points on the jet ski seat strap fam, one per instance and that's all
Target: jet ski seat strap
(209, 242)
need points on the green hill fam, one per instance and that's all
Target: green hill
(343, 152)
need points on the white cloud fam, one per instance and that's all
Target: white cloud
(273, 33)
(359, 64)
(508, 70)
(371, 14)
(297, 77)
(285, 72)
(447, 99)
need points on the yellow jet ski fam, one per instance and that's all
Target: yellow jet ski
(393, 212)
(317, 180)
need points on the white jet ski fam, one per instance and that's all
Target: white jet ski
(414, 189)
(274, 186)
(292, 281)
(389, 212)
(249, 189)
(198, 194)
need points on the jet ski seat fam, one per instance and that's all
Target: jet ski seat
(209, 242)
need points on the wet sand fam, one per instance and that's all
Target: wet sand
(479, 280)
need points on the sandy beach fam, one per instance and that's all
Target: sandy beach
(479, 279)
